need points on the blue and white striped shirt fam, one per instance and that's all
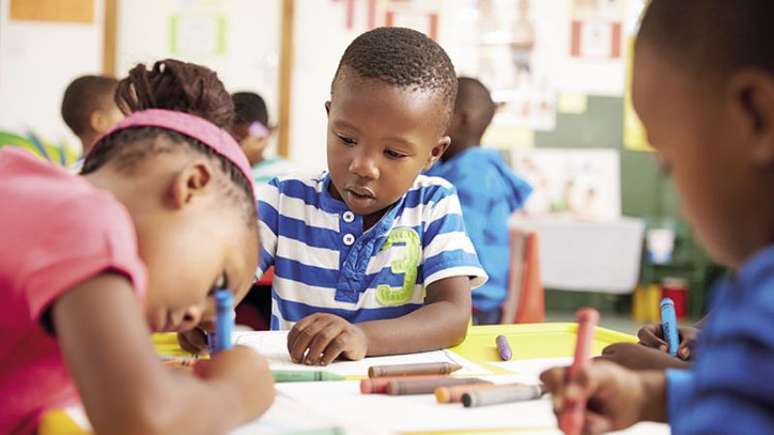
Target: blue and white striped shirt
(324, 261)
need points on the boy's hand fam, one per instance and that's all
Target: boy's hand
(616, 398)
(321, 338)
(652, 336)
(637, 357)
(194, 341)
(246, 373)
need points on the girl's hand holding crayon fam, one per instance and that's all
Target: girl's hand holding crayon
(321, 338)
(243, 372)
(616, 398)
(652, 335)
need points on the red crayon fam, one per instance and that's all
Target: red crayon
(571, 416)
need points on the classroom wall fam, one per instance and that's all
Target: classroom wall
(37, 62)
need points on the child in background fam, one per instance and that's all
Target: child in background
(161, 217)
(89, 110)
(372, 258)
(251, 129)
(489, 193)
(706, 98)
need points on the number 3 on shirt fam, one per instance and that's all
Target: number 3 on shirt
(407, 265)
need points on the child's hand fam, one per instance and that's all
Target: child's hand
(652, 336)
(616, 398)
(321, 338)
(194, 341)
(246, 373)
(638, 357)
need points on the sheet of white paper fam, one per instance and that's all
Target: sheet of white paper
(283, 418)
(530, 369)
(395, 414)
(273, 345)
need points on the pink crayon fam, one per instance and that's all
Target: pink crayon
(571, 417)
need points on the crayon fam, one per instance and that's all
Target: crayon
(305, 376)
(571, 416)
(379, 385)
(502, 394)
(454, 394)
(442, 368)
(427, 386)
(503, 348)
(224, 322)
(669, 325)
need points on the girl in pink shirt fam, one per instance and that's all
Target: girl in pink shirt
(164, 203)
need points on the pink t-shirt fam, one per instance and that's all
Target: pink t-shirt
(56, 231)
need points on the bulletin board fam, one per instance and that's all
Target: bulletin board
(68, 11)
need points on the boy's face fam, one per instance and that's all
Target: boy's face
(380, 138)
(699, 138)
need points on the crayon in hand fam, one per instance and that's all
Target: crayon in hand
(224, 322)
(669, 325)
(571, 416)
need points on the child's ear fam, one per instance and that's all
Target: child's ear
(327, 107)
(437, 151)
(191, 182)
(99, 122)
(754, 92)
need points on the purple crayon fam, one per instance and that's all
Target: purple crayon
(503, 348)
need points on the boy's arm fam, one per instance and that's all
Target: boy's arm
(124, 386)
(441, 322)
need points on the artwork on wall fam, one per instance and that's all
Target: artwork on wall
(579, 183)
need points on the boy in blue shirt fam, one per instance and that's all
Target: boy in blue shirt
(372, 258)
(489, 193)
(703, 86)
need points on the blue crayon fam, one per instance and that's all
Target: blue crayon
(224, 322)
(669, 325)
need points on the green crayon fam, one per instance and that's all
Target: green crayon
(304, 376)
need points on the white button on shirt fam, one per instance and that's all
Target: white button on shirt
(348, 217)
(349, 239)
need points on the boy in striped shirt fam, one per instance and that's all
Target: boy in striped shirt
(372, 258)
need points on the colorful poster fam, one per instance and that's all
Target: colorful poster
(579, 183)
(512, 59)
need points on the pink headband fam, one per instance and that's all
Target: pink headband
(194, 127)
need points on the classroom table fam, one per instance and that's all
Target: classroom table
(335, 408)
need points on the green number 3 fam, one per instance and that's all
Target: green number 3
(407, 265)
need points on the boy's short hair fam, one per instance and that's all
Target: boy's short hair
(250, 107)
(82, 97)
(712, 36)
(404, 58)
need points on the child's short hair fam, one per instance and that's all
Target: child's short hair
(249, 107)
(712, 37)
(404, 58)
(82, 97)
(182, 87)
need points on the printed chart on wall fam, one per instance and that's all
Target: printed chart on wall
(577, 183)
(513, 60)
